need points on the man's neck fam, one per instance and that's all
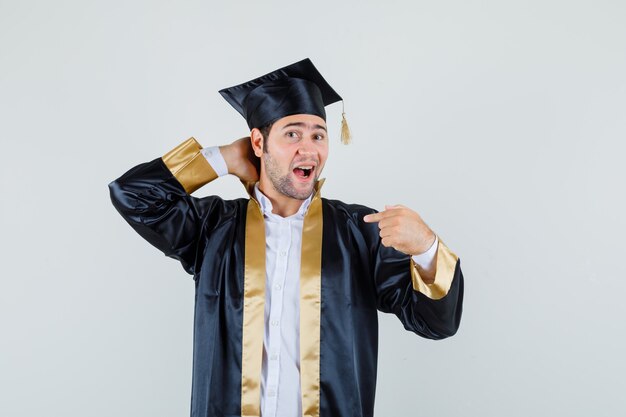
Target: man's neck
(282, 205)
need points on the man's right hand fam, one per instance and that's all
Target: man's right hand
(241, 160)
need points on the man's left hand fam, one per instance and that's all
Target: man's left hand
(402, 229)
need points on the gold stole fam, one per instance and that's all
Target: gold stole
(254, 307)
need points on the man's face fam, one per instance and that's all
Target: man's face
(295, 153)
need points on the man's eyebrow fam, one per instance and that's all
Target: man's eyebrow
(302, 124)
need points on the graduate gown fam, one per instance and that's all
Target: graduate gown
(346, 277)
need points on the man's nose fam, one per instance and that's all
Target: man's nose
(306, 148)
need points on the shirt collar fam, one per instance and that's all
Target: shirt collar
(266, 204)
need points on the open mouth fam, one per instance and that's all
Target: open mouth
(304, 171)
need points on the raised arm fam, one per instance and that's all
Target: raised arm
(154, 198)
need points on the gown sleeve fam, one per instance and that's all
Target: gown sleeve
(430, 310)
(154, 198)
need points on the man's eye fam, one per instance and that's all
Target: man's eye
(319, 137)
(292, 134)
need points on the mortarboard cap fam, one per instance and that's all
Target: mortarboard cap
(298, 88)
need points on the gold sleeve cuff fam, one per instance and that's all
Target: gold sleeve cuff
(189, 165)
(446, 264)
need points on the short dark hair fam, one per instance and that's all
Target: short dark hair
(265, 132)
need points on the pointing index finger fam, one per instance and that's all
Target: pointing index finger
(374, 217)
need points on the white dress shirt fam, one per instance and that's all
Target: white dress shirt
(280, 379)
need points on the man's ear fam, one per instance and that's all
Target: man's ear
(256, 138)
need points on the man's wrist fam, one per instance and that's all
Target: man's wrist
(216, 159)
(426, 260)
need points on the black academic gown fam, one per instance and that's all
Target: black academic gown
(346, 277)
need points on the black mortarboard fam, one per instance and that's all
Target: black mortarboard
(295, 89)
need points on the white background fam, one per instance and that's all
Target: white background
(502, 123)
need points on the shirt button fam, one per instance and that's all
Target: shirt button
(277, 287)
(274, 322)
(274, 357)
(283, 253)
(271, 392)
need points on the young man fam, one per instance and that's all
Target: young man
(287, 283)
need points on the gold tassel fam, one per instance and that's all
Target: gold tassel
(346, 137)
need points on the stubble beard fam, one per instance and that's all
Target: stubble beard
(284, 184)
